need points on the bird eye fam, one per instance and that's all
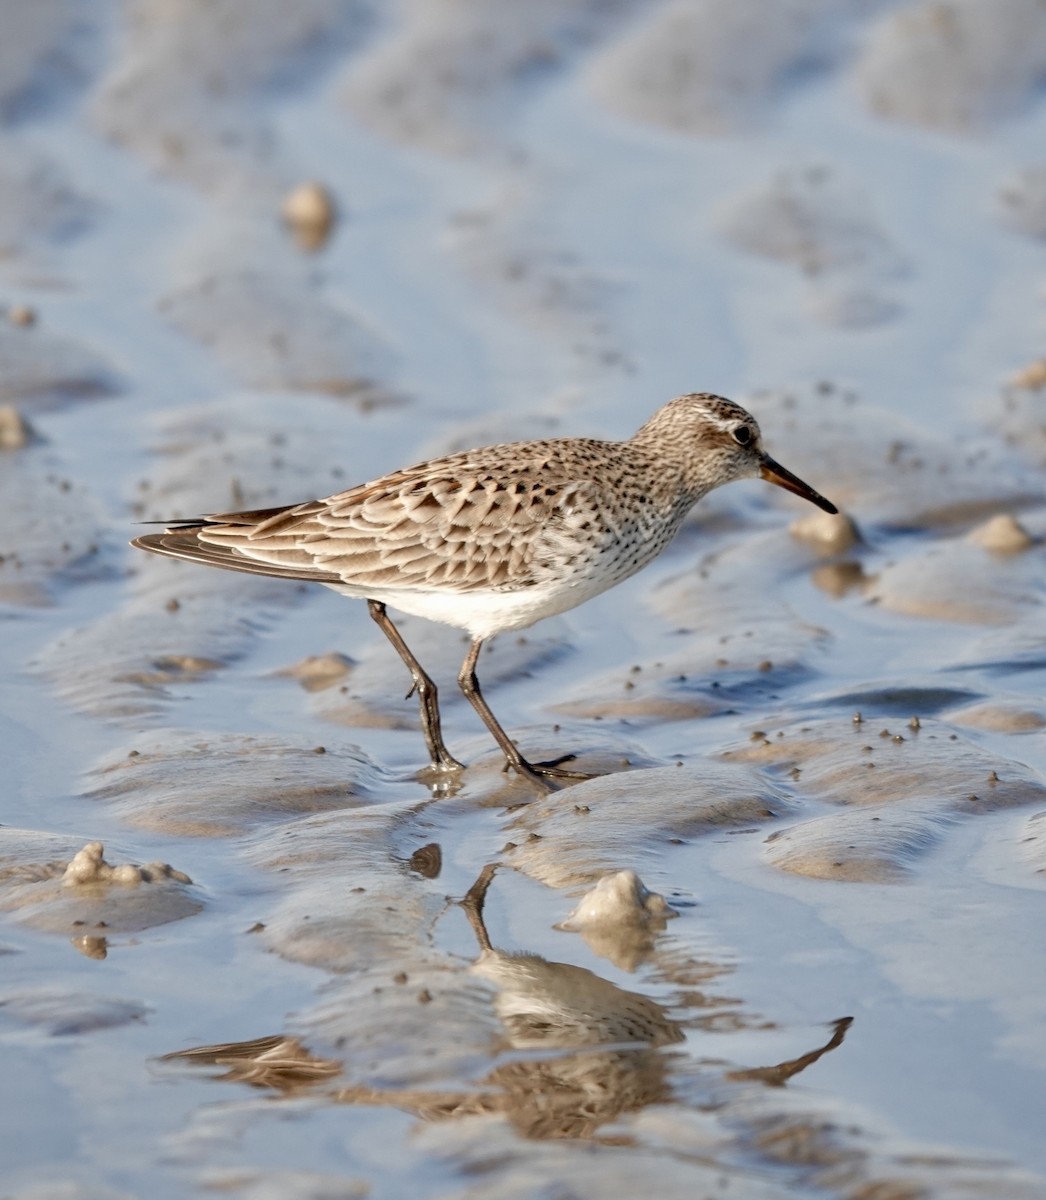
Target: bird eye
(742, 435)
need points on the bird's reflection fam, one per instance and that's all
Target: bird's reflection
(589, 1051)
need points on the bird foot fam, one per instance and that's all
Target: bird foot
(543, 773)
(443, 775)
(552, 768)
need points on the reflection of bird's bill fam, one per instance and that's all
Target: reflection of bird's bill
(773, 472)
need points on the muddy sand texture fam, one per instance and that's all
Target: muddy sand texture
(787, 941)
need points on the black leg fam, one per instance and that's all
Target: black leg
(428, 697)
(473, 903)
(537, 773)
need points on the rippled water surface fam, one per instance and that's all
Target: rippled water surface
(789, 940)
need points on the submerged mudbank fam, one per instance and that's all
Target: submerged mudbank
(746, 739)
(595, 1052)
(816, 743)
(577, 1058)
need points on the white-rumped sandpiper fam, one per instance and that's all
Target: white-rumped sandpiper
(494, 539)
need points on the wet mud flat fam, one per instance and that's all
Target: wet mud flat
(788, 939)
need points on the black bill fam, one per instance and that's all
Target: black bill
(773, 472)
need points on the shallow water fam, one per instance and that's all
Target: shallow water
(551, 218)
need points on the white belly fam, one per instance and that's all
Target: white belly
(483, 613)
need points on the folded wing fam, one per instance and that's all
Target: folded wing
(442, 524)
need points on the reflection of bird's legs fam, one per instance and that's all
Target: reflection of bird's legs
(428, 697)
(779, 1075)
(473, 903)
(538, 773)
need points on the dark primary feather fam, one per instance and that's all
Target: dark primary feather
(183, 542)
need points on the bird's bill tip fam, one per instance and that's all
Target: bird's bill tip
(774, 473)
